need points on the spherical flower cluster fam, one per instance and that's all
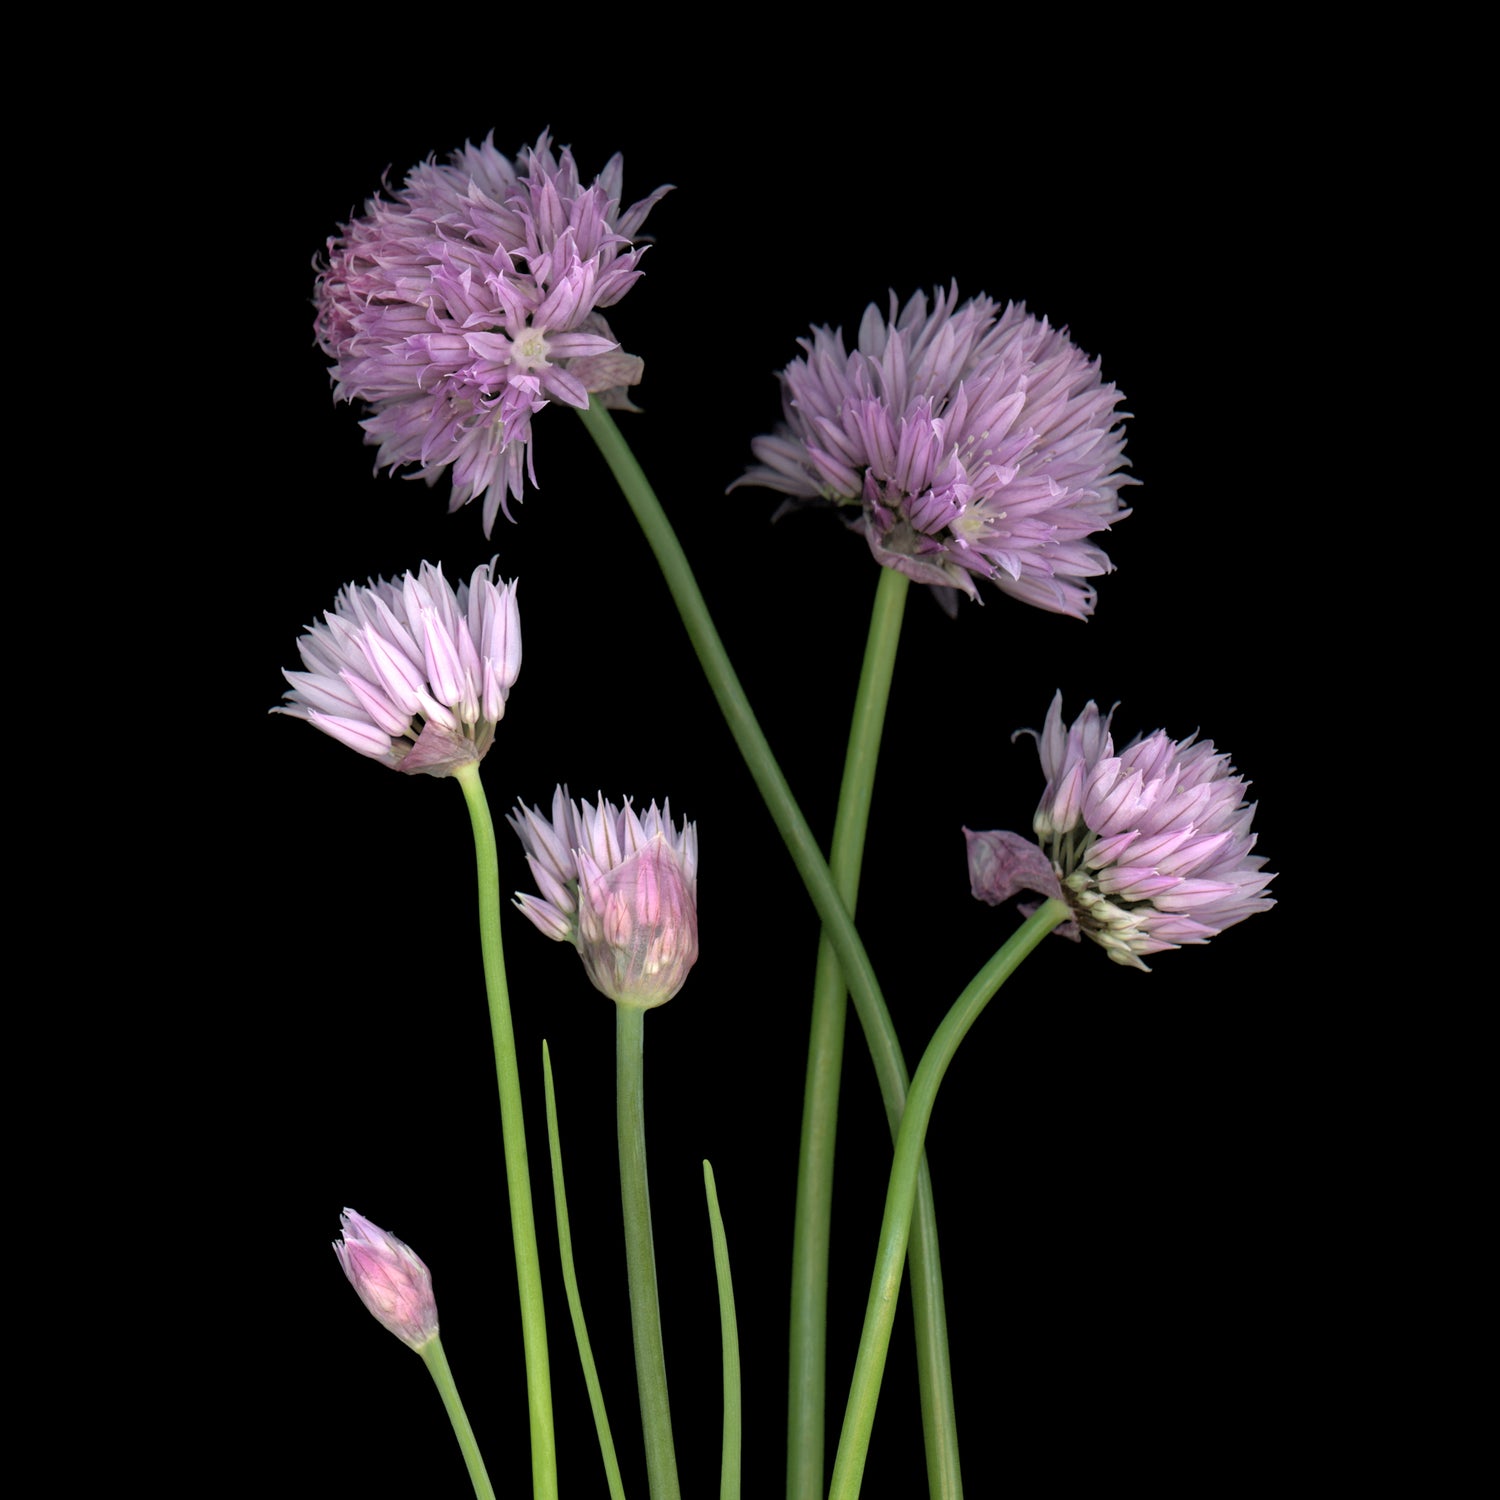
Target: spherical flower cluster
(460, 307)
(622, 889)
(409, 672)
(390, 1278)
(1151, 847)
(975, 444)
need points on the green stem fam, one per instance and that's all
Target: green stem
(640, 1253)
(575, 1298)
(442, 1377)
(740, 718)
(729, 1338)
(869, 1005)
(811, 1232)
(880, 1311)
(513, 1136)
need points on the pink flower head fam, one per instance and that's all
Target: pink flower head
(969, 443)
(461, 306)
(1150, 847)
(622, 889)
(390, 1279)
(410, 672)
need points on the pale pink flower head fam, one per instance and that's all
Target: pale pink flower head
(964, 443)
(390, 1279)
(410, 671)
(622, 889)
(1150, 847)
(466, 301)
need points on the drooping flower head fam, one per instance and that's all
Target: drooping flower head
(410, 672)
(622, 889)
(466, 301)
(1151, 847)
(390, 1279)
(967, 443)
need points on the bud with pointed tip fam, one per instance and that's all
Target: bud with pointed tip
(390, 1279)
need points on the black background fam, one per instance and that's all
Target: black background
(1128, 1167)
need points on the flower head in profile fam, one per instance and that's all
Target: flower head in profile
(965, 443)
(622, 889)
(461, 305)
(410, 672)
(390, 1279)
(1150, 846)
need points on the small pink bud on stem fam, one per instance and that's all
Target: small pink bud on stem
(390, 1279)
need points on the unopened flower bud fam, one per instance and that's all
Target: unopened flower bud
(390, 1279)
(637, 925)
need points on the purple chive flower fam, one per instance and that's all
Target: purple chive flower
(622, 889)
(390, 1279)
(966, 442)
(409, 672)
(466, 302)
(1150, 847)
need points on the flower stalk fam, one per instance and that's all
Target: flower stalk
(806, 1394)
(901, 1193)
(513, 1134)
(640, 1253)
(880, 1032)
(442, 1377)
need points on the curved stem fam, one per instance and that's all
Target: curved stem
(640, 1253)
(575, 1297)
(880, 1310)
(869, 1004)
(513, 1136)
(442, 1377)
(729, 1339)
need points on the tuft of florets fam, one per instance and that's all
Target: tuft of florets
(965, 443)
(1150, 847)
(464, 302)
(411, 672)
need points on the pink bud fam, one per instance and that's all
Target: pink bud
(638, 925)
(391, 1281)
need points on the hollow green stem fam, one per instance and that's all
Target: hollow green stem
(880, 1311)
(729, 1340)
(640, 1253)
(575, 1299)
(810, 1240)
(859, 976)
(442, 1377)
(513, 1136)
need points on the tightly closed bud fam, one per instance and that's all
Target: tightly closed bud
(390, 1279)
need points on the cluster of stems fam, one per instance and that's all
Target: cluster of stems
(908, 1230)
